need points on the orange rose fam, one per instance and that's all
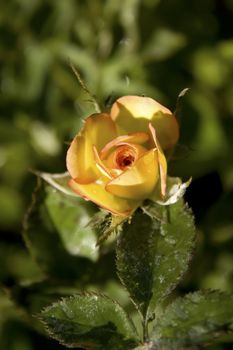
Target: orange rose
(117, 159)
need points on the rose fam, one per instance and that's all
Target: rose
(117, 159)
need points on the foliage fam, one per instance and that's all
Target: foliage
(152, 255)
(92, 321)
(193, 320)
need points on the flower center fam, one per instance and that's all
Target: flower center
(125, 157)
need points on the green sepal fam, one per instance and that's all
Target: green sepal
(175, 190)
(57, 181)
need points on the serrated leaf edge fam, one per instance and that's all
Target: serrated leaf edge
(83, 294)
(203, 293)
(191, 254)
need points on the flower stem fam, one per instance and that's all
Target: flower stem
(85, 88)
(145, 329)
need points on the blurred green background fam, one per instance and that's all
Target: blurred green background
(151, 47)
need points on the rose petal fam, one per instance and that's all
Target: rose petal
(128, 108)
(96, 193)
(162, 161)
(123, 150)
(98, 130)
(136, 138)
(100, 165)
(137, 181)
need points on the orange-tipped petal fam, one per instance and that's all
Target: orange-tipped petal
(123, 157)
(162, 161)
(96, 193)
(137, 181)
(128, 108)
(98, 130)
(136, 138)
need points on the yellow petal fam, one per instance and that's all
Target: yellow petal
(100, 165)
(128, 108)
(96, 193)
(136, 138)
(162, 161)
(124, 156)
(138, 181)
(98, 130)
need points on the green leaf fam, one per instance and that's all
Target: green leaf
(174, 250)
(194, 320)
(32, 297)
(153, 252)
(91, 321)
(95, 226)
(135, 252)
(71, 217)
(53, 230)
